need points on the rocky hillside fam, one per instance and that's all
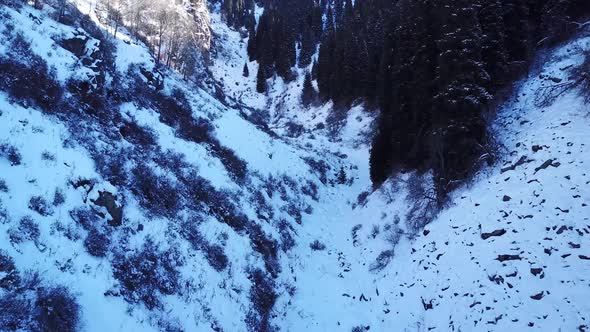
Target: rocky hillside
(133, 200)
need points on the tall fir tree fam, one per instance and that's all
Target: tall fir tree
(493, 46)
(308, 92)
(261, 80)
(246, 71)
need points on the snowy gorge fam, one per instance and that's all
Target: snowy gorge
(157, 204)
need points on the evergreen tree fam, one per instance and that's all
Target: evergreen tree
(314, 70)
(307, 48)
(308, 93)
(246, 71)
(261, 80)
(493, 50)
(459, 130)
(518, 30)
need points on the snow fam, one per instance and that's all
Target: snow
(448, 264)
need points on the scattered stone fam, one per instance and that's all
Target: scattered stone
(536, 271)
(550, 162)
(506, 198)
(503, 258)
(538, 296)
(498, 232)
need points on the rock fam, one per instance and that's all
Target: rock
(503, 258)
(498, 232)
(536, 271)
(506, 198)
(109, 202)
(550, 162)
(538, 296)
(76, 45)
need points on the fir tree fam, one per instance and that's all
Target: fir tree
(246, 71)
(261, 80)
(493, 49)
(308, 93)
(307, 48)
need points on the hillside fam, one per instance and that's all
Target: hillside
(132, 199)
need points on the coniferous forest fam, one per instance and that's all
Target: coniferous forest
(431, 67)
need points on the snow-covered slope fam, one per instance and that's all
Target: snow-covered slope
(174, 210)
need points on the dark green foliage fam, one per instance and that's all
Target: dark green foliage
(261, 80)
(308, 93)
(246, 71)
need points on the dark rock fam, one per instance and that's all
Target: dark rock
(503, 258)
(498, 232)
(109, 202)
(538, 296)
(506, 198)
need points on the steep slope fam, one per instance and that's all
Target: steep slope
(507, 253)
(161, 207)
(153, 203)
(510, 252)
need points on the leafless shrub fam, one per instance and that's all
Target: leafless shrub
(40, 205)
(382, 261)
(423, 199)
(317, 246)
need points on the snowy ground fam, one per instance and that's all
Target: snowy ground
(511, 252)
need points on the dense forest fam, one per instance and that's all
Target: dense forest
(432, 67)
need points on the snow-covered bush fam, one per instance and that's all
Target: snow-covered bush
(213, 253)
(58, 197)
(137, 135)
(47, 156)
(216, 257)
(263, 297)
(85, 217)
(320, 167)
(10, 153)
(56, 309)
(157, 194)
(30, 305)
(287, 240)
(40, 205)
(4, 219)
(9, 277)
(13, 3)
(267, 247)
(97, 243)
(311, 189)
(27, 78)
(147, 273)
(382, 260)
(3, 186)
(317, 246)
(27, 230)
(236, 167)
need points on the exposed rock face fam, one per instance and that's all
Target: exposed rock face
(109, 202)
